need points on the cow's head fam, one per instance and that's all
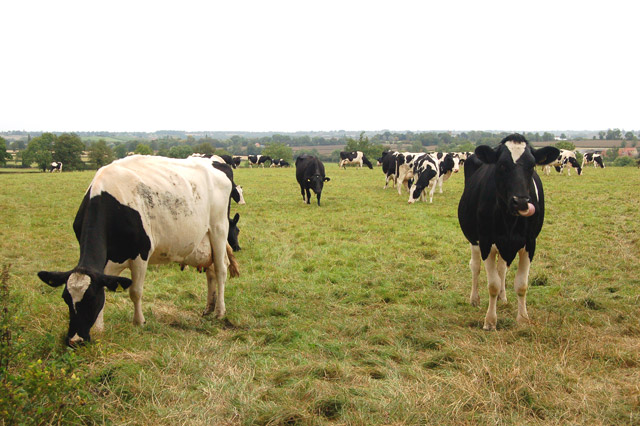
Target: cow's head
(84, 293)
(450, 163)
(366, 161)
(237, 194)
(232, 237)
(421, 184)
(514, 160)
(316, 183)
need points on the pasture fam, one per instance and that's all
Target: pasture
(353, 313)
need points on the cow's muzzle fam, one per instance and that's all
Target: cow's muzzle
(522, 206)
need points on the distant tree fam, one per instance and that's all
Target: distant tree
(252, 149)
(180, 151)
(624, 161)
(630, 136)
(601, 135)
(120, 151)
(613, 134)
(563, 136)
(18, 145)
(39, 151)
(143, 149)
(465, 147)
(277, 150)
(4, 155)
(546, 136)
(204, 148)
(565, 145)
(100, 154)
(363, 144)
(68, 149)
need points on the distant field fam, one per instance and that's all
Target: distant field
(354, 313)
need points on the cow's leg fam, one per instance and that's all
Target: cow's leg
(431, 191)
(440, 182)
(494, 284)
(386, 182)
(215, 294)
(502, 272)
(521, 283)
(474, 264)
(308, 195)
(138, 272)
(110, 269)
(304, 200)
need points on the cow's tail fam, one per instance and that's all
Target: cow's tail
(234, 269)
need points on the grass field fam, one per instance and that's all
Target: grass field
(354, 313)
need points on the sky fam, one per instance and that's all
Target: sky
(289, 66)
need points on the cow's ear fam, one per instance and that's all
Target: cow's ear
(327, 179)
(486, 154)
(546, 155)
(114, 283)
(235, 219)
(54, 279)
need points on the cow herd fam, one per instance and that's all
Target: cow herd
(144, 210)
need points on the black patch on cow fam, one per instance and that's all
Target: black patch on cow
(109, 230)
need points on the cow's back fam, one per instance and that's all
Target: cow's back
(178, 200)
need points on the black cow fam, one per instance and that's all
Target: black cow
(388, 163)
(310, 175)
(353, 157)
(501, 212)
(258, 160)
(236, 162)
(229, 160)
(55, 166)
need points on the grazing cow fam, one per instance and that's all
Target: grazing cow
(501, 212)
(566, 159)
(310, 175)
(592, 157)
(404, 169)
(426, 171)
(354, 157)
(230, 160)
(236, 162)
(56, 166)
(258, 160)
(388, 163)
(279, 163)
(144, 210)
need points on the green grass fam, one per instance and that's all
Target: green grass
(352, 313)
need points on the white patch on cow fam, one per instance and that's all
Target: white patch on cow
(536, 188)
(516, 149)
(77, 285)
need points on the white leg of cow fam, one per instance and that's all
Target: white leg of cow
(474, 264)
(502, 272)
(493, 283)
(433, 189)
(138, 272)
(521, 284)
(110, 269)
(219, 246)
(440, 182)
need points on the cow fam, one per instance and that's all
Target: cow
(592, 157)
(144, 210)
(218, 162)
(501, 212)
(236, 162)
(258, 160)
(279, 163)
(230, 160)
(567, 159)
(388, 163)
(448, 163)
(310, 175)
(55, 166)
(426, 171)
(404, 169)
(462, 156)
(353, 157)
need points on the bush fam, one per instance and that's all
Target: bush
(624, 162)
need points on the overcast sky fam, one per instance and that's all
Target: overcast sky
(319, 65)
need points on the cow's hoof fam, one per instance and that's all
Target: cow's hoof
(503, 297)
(523, 320)
(220, 314)
(475, 301)
(489, 327)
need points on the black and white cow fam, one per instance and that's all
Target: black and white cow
(279, 163)
(353, 157)
(501, 212)
(310, 175)
(592, 157)
(258, 160)
(144, 210)
(236, 162)
(229, 160)
(426, 171)
(462, 156)
(448, 164)
(404, 169)
(55, 166)
(566, 159)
